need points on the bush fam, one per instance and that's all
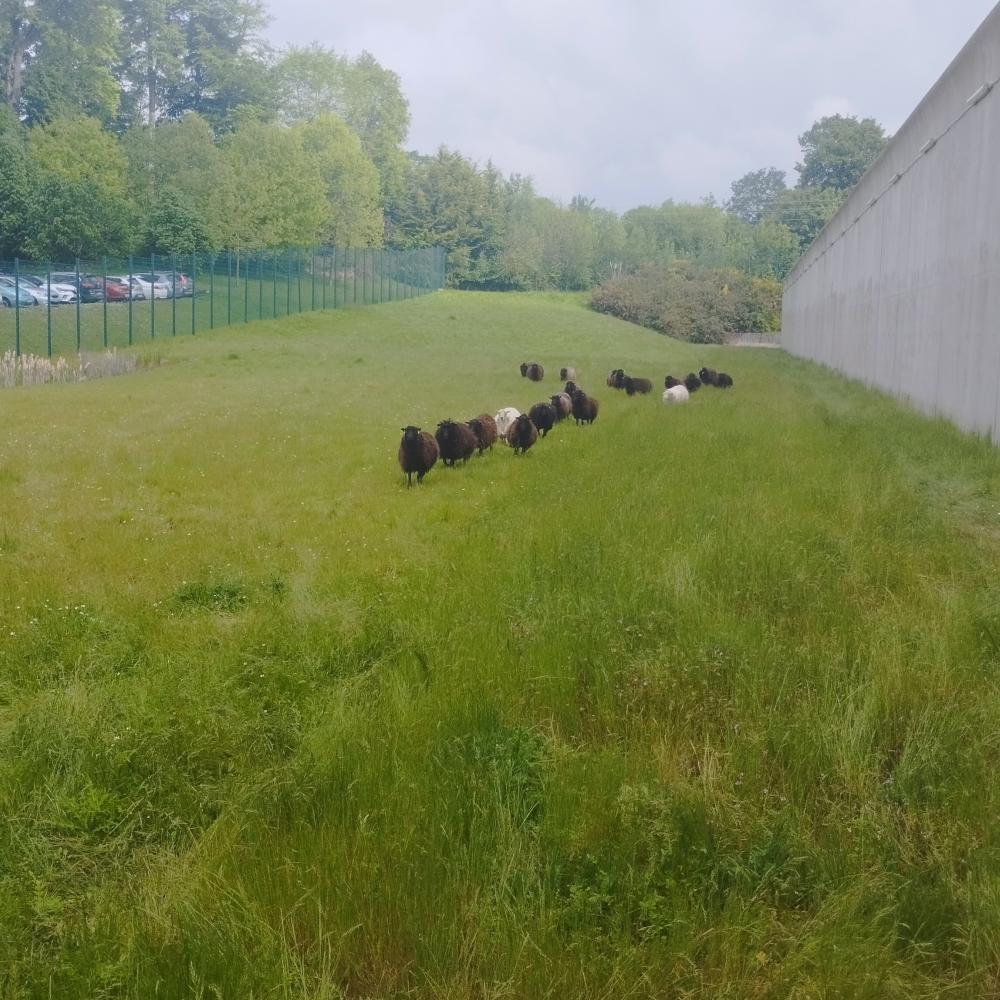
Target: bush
(700, 304)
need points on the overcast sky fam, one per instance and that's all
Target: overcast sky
(637, 101)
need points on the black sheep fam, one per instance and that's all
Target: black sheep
(723, 381)
(524, 368)
(584, 408)
(456, 441)
(692, 383)
(708, 376)
(485, 429)
(522, 434)
(669, 382)
(536, 372)
(569, 388)
(418, 451)
(616, 379)
(543, 416)
(638, 386)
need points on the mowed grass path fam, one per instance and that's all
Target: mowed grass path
(698, 701)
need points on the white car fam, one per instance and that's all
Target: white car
(161, 288)
(141, 289)
(59, 293)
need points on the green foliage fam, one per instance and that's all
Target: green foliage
(806, 210)
(80, 150)
(703, 305)
(837, 150)
(755, 193)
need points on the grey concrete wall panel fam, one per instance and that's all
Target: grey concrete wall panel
(902, 287)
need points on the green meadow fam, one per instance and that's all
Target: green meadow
(699, 701)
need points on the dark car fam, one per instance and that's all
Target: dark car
(89, 286)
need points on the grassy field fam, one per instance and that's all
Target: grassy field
(695, 702)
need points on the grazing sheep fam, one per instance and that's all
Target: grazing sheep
(524, 368)
(504, 418)
(669, 382)
(723, 381)
(691, 382)
(566, 373)
(485, 429)
(418, 451)
(616, 378)
(676, 394)
(584, 408)
(708, 376)
(637, 385)
(563, 405)
(522, 434)
(569, 388)
(456, 441)
(543, 416)
(536, 372)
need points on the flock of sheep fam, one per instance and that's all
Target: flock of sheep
(455, 441)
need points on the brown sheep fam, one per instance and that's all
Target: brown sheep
(563, 405)
(418, 451)
(616, 379)
(584, 408)
(637, 385)
(522, 434)
(456, 441)
(566, 373)
(543, 416)
(485, 429)
(536, 372)
(570, 388)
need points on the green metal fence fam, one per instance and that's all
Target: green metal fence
(115, 303)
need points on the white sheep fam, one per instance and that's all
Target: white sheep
(676, 394)
(505, 418)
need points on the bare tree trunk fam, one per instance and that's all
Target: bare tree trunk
(22, 35)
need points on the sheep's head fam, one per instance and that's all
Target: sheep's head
(570, 388)
(669, 382)
(411, 434)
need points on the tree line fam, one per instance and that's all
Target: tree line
(168, 126)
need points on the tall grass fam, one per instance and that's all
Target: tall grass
(698, 701)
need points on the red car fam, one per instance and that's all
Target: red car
(115, 291)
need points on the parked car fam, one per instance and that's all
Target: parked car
(180, 285)
(11, 295)
(115, 290)
(161, 285)
(59, 294)
(37, 294)
(140, 289)
(89, 286)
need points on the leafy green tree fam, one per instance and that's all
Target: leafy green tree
(837, 150)
(755, 193)
(174, 227)
(805, 211)
(16, 192)
(78, 149)
(354, 216)
(56, 57)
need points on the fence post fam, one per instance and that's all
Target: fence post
(325, 262)
(104, 285)
(312, 267)
(17, 308)
(79, 295)
(246, 289)
(194, 288)
(130, 293)
(152, 301)
(229, 288)
(173, 298)
(48, 317)
(298, 276)
(288, 281)
(260, 284)
(211, 293)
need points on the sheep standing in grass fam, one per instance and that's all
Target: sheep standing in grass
(485, 429)
(584, 408)
(456, 441)
(616, 378)
(522, 434)
(543, 416)
(524, 369)
(418, 451)
(691, 382)
(566, 374)
(570, 388)
(563, 405)
(723, 381)
(504, 418)
(637, 386)
(536, 372)
(708, 375)
(676, 393)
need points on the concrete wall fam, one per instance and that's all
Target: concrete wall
(903, 292)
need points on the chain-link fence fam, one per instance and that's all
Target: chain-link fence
(49, 308)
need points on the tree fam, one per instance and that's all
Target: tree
(16, 190)
(805, 211)
(351, 182)
(837, 150)
(755, 193)
(80, 150)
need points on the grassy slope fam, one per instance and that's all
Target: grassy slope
(698, 701)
